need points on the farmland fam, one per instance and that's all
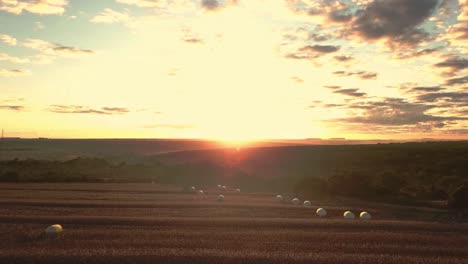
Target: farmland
(154, 223)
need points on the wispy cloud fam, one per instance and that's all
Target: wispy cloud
(78, 109)
(361, 74)
(343, 58)
(7, 39)
(12, 59)
(13, 72)
(110, 16)
(12, 107)
(350, 92)
(312, 51)
(54, 48)
(12, 104)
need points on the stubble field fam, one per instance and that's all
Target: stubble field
(149, 223)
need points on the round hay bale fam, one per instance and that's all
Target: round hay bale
(279, 198)
(193, 189)
(237, 191)
(349, 215)
(295, 201)
(54, 229)
(201, 192)
(365, 216)
(321, 212)
(307, 204)
(223, 188)
(220, 198)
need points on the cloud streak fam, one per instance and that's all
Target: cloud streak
(54, 49)
(13, 72)
(361, 74)
(78, 109)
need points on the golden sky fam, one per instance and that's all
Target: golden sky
(234, 69)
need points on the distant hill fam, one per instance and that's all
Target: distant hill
(134, 150)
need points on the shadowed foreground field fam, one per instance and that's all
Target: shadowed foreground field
(136, 223)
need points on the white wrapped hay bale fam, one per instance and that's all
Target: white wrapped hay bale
(307, 204)
(365, 216)
(295, 201)
(279, 198)
(237, 191)
(54, 229)
(349, 215)
(199, 195)
(193, 189)
(220, 198)
(321, 212)
(223, 188)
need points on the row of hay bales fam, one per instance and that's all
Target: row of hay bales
(322, 212)
(219, 198)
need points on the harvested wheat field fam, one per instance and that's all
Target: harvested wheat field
(137, 223)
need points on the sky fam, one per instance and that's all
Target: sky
(234, 69)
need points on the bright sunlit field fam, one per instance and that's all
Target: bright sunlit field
(149, 223)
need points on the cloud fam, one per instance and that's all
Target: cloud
(350, 92)
(78, 109)
(65, 50)
(333, 105)
(361, 74)
(332, 86)
(296, 79)
(41, 7)
(210, 4)
(110, 16)
(396, 20)
(53, 48)
(12, 107)
(455, 97)
(457, 81)
(9, 40)
(14, 104)
(213, 5)
(343, 58)
(320, 48)
(312, 51)
(410, 53)
(458, 33)
(427, 89)
(36, 59)
(12, 59)
(13, 72)
(394, 112)
(453, 64)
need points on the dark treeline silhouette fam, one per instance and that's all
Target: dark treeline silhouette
(408, 171)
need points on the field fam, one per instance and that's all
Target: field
(151, 223)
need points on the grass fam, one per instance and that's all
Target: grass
(136, 223)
